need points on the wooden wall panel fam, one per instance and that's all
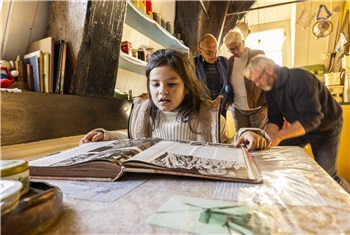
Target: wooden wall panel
(32, 116)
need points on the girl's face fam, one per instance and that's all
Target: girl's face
(167, 88)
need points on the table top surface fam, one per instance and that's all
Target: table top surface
(309, 201)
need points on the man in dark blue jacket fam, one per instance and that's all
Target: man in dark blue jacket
(300, 98)
(213, 71)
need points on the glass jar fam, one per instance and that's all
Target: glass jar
(16, 170)
(163, 22)
(169, 27)
(149, 52)
(134, 53)
(141, 55)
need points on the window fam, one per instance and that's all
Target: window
(275, 41)
(270, 41)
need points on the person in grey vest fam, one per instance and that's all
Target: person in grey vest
(249, 108)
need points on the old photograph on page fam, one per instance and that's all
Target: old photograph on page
(207, 216)
(197, 158)
(92, 161)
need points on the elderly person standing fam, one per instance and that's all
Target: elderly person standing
(300, 98)
(213, 71)
(249, 108)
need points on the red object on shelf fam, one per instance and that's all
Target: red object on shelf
(6, 82)
(126, 47)
(149, 7)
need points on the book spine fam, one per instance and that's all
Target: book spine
(33, 60)
(29, 75)
(41, 72)
(63, 67)
(58, 65)
(46, 72)
(21, 68)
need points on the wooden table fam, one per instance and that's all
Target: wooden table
(288, 173)
(28, 151)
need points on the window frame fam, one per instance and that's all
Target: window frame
(286, 47)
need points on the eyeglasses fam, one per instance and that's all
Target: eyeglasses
(261, 74)
(209, 52)
(236, 48)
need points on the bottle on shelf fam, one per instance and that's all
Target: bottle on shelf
(155, 16)
(130, 95)
(149, 52)
(134, 53)
(142, 5)
(141, 54)
(169, 27)
(137, 3)
(163, 23)
(149, 8)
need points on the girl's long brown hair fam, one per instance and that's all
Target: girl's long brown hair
(183, 65)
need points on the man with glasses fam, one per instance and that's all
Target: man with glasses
(213, 71)
(300, 98)
(249, 108)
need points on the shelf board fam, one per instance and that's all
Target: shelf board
(132, 64)
(141, 22)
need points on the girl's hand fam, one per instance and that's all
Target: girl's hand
(93, 136)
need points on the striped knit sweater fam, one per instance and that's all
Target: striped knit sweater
(209, 126)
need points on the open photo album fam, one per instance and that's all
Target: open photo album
(109, 160)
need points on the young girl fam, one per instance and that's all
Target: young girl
(176, 108)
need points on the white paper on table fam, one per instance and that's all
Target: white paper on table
(97, 191)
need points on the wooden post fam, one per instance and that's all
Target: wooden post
(93, 31)
(192, 22)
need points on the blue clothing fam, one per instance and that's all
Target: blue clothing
(212, 75)
(298, 95)
(223, 68)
